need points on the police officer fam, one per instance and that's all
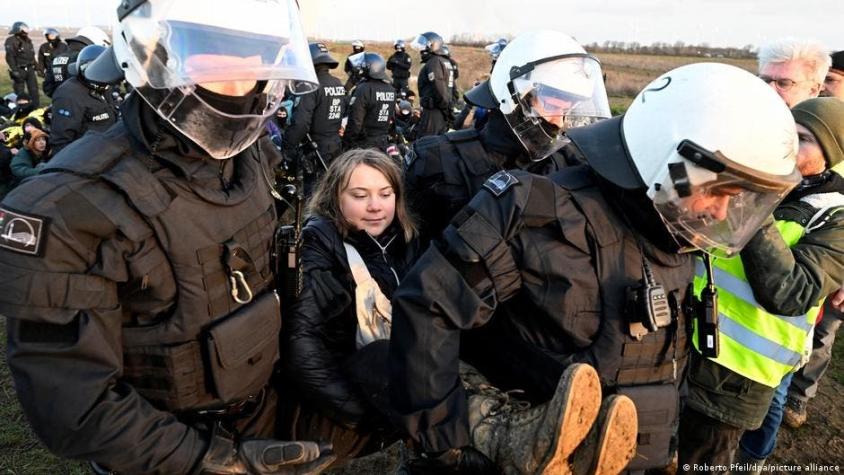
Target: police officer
(399, 64)
(49, 49)
(20, 57)
(582, 266)
(436, 85)
(81, 103)
(372, 107)
(351, 72)
(494, 50)
(57, 73)
(318, 115)
(143, 329)
(445, 171)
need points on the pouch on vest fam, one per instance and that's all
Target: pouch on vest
(373, 308)
(657, 407)
(243, 348)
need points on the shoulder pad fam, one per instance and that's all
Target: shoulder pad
(499, 183)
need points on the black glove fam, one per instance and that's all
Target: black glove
(264, 457)
(329, 293)
(15, 74)
(464, 461)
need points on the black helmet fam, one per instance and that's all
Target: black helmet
(19, 27)
(320, 55)
(398, 45)
(357, 46)
(371, 65)
(428, 42)
(85, 57)
(52, 32)
(103, 70)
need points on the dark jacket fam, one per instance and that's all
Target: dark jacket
(123, 285)
(399, 63)
(25, 164)
(319, 114)
(436, 84)
(372, 110)
(20, 54)
(46, 53)
(57, 72)
(318, 347)
(77, 109)
(785, 281)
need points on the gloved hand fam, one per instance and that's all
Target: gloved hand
(465, 461)
(264, 457)
(15, 74)
(329, 293)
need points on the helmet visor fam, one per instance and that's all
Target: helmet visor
(718, 211)
(553, 96)
(174, 44)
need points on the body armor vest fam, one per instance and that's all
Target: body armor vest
(218, 341)
(649, 369)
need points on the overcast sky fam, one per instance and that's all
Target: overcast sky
(717, 22)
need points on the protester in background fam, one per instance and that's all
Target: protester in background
(33, 157)
(794, 68)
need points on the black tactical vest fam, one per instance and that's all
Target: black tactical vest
(218, 341)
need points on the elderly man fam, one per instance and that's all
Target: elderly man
(796, 69)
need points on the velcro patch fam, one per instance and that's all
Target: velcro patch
(500, 182)
(23, 233)
(431, 76)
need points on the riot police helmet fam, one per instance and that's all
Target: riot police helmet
(428, 43)
(52, 34)
(357, 46)
(91, 35)
(399, 45)
(19, 28)
(544, 83)
(715, 149)
(215, 74)
(370, 65)
(87, 55)
(320, 55)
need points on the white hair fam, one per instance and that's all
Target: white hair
(813, 54)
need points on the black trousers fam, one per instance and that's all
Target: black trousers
(29, 81)
(432, 122)
(707, 445)
(400, 84)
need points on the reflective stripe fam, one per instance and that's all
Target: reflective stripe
(741, 289)
(757, 343)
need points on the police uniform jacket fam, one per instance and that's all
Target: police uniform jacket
(399, 64)
(77, 109)
(118, 262)
(57, 72)
(319, 114)
(546, 262)
(372, 110)
(20, 54)
(436, 83)
(46, 53)
(319, 348)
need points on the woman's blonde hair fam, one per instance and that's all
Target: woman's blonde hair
(325, 200)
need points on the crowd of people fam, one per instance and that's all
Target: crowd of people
(517, 284)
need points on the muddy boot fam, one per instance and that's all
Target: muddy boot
(538, 440)
(611, 444)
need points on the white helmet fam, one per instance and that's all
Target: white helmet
(716, 149)
(170, 48)
(94, 35)
(544, 82)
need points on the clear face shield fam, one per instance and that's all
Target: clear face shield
(715, 204)
(552, 96)
(248, 56)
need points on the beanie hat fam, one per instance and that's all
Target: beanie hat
(33, 135)
(824, 117)
(838, 61)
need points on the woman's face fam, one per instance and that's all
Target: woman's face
(40, 144)
(368, 202)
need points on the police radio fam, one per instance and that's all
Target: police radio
(647, 305)
(706, 313)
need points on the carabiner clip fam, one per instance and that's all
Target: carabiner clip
(235, 277)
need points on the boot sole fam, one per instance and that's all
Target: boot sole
(579, 392)
(617, 443)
